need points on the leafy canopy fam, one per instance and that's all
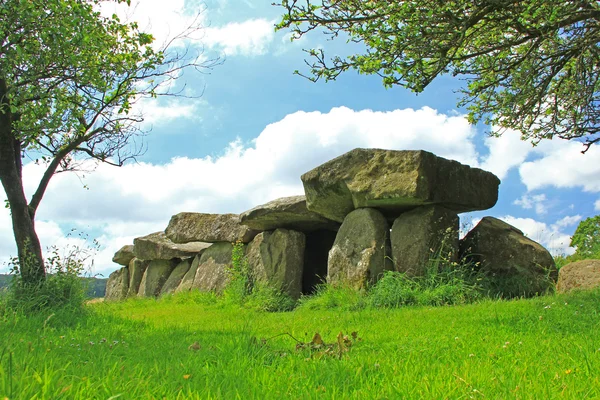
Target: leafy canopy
(528, 65)
(587, 238)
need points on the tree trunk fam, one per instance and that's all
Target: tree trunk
(31, 263)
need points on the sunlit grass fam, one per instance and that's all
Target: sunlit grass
(546, 347)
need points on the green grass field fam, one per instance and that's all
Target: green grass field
(543, 348)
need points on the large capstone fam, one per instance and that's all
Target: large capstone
(124, 255)
(277, 259)
(157, 246)
(211, 274)
(424, 237)
(361, 251)
(513, 264)
(117, 285)
(137, 268)
(176, 276)
(155, 277)
(287, 213)
(198, 227)
(579, 275)
(394, 182)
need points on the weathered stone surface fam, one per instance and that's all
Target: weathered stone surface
(137, 268)
(157, 246)
(211, 274)
(394, 182)
(517, 265)
(197, 227)
(361, 251)
(176, 276)
(155, 277)
(316, 252)
(287, 213)
(188, 279)
(124, 255)
(117, 285)
(277, 259)
(421, 235)
(579, 275)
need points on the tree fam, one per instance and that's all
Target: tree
(587, 238)
(529, 65)
(68, 80)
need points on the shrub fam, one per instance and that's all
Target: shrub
(63, 286)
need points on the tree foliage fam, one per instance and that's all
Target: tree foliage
(69, 78)
(528, 65)
(587, 238)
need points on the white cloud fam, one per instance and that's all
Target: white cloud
(568, 221)
(139, 199)
(536, 202)
(250, 37)
(597, 205)
(158, 112)
(505, 152)
(562, 165)
(550, 236)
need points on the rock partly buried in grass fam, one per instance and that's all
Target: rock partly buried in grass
(176, 276)
(117, 285)
(155, 277)
(360, 253)
(582, 275)
(198, 227)
(276, 258)
(157, 246)
(394, 182)
(423, 236)
(513, 264)
(286, 213)
(211, 274)
(124, 255)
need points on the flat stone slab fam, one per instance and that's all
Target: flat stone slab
(124, 255)
(157, 246)
(199, 227)
(286, 213)
(396, 181)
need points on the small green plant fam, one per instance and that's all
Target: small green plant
(239, 274)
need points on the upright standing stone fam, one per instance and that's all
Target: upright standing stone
(423, 236)
(137, 268)
(515, 264)
(361, 251)
(117, 285)
(211, 274)
(176, 276)
(395, 182)
(277, 259)
(155, 277)
(188, 279)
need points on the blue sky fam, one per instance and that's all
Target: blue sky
(258, 127)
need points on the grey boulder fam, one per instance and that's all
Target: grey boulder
(124, 255)
(198, 227)
(157, 246)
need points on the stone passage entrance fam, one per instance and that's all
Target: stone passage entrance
(318, 244)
